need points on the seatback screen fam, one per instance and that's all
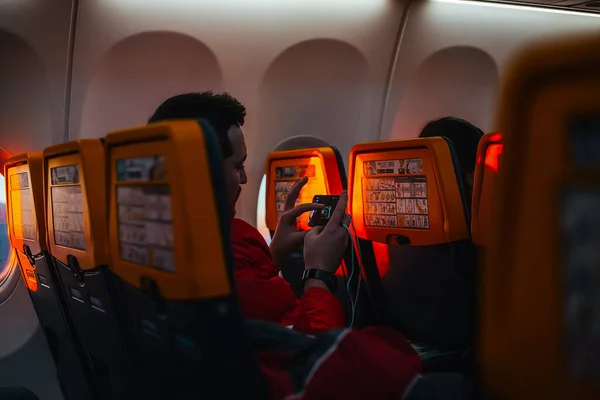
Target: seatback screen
(67, 207)
(395, 194)
(285, 177)
(285, 168)
(23, 214)
(144, 213)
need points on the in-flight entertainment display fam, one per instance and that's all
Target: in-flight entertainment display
(395, 194)
(142, 169)
(285, 177)
(22, 206)
(144, 213)
(67, 207)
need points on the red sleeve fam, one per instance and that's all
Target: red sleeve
(375, 362)
(318, 310)
(264, 295)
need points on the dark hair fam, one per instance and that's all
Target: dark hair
(220, 110)
(463, 135)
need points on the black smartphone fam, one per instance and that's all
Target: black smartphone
(322, 216)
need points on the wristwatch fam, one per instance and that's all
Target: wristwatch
(325, 276)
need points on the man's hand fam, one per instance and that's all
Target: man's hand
(287, 238)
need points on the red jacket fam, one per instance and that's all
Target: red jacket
(266, 296)
(374, 363)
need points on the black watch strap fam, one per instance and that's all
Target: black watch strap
(325, 276)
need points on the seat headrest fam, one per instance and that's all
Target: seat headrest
(75, 200)
(322, 165)
(25, 213)
(407, 192)
(540, 298)
(166, 187)
(487, 168)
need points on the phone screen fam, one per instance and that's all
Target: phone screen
(322, 216)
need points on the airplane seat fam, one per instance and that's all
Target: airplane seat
(76, 218)
(17, 393)
(539, 333)
(27, 234)
(170, 254)
(409, 194)
(325, 169)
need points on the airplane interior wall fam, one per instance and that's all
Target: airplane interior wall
(344, 71)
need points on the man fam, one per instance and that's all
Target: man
(375, 363)
(262, 293)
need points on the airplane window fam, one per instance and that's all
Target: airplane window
(261, 220)
(4, 243)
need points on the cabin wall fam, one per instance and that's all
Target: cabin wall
(453, 54)
(314, 68)
(34, 47)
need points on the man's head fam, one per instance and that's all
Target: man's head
(465, 139)
(226, 115)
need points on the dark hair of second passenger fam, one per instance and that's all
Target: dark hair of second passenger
(463, 135)
(221, 110)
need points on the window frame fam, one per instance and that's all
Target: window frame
(261, 224)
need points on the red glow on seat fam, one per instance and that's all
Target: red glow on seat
(492, 157)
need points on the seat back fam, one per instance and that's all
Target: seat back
(322, 165)
(75, 193)
(170, 252)
(540, 332)
(27, 233)
(487, 168)
(326, 174)
(408, 194)
(325, 169)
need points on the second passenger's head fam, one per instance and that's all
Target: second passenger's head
(465, 139)
(226, 115)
